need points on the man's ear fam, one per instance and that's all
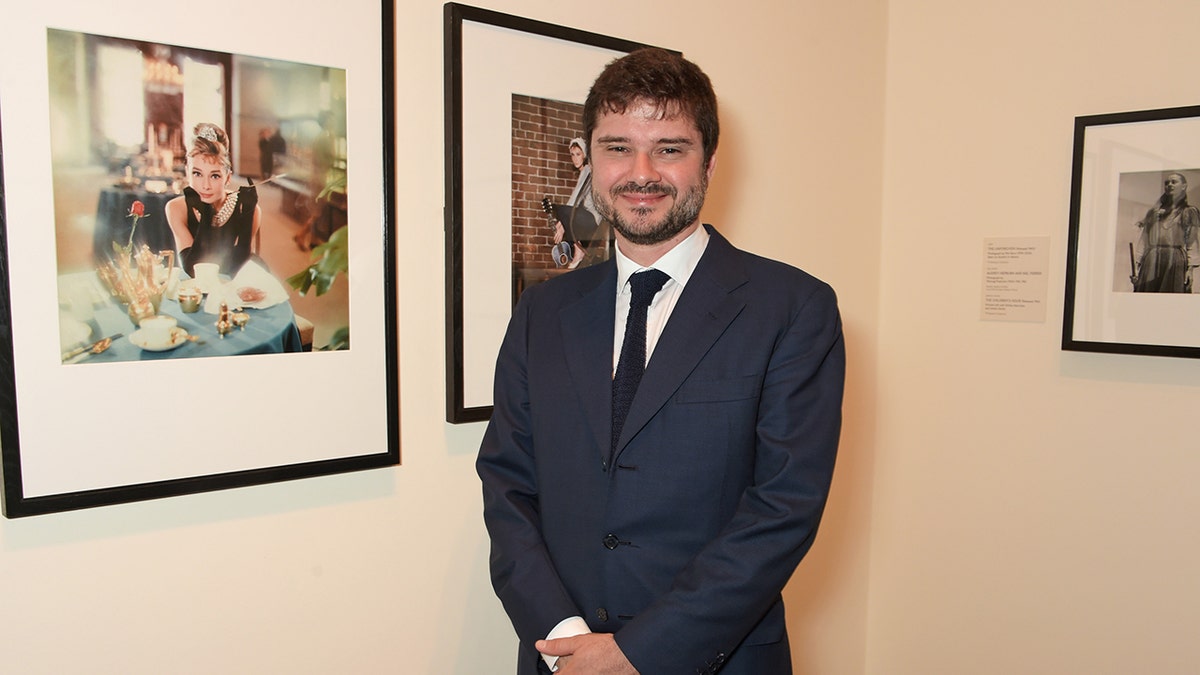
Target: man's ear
(712, 166)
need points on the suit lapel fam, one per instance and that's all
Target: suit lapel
(704, 310)
(587, 329)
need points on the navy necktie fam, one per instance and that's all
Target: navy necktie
(631, 365)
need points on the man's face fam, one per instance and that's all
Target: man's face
(648, 174)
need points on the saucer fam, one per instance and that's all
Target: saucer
(178, 337)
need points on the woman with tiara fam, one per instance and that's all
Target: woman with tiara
(212, 223)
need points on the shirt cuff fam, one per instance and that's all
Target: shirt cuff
(568, 627)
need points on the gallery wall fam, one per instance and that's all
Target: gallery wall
(1026, 510)
(1035, 510)
(385, 571)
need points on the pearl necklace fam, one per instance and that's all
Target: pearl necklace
(226, 211)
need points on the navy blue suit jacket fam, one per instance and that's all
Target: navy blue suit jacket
(681, 543)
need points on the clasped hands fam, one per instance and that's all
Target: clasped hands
(588, 654)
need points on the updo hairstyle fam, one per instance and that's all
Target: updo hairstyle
(211, 142)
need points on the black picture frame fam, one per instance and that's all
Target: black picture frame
(1120, 166)
(162, 442)
(542, 60)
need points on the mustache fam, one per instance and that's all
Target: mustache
(634, 188)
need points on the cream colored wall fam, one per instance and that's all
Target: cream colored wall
(385, 571)
(1035, 510)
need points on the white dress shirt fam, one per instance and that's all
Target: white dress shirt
(678, 263)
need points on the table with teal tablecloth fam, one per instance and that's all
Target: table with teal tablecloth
(268, 331)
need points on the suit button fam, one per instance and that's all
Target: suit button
(611, 542)
(602, 614)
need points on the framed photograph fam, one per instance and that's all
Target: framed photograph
(518, 197)
(193, 225)
(1132, 254)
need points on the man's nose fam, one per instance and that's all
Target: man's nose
(644, 170)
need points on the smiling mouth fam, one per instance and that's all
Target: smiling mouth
(643, 199)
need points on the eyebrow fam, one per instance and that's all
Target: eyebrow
(612, 139)
(682, 140)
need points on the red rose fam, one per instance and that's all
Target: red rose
(137, 209)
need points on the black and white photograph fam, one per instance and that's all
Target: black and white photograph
(1132, 247)
(1158, 227)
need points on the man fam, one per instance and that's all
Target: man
(658, 541)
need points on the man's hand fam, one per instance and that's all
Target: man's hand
(590, 654)
(558, 231)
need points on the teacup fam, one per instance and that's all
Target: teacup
(207, 274)
(189, 298)
(157, 330)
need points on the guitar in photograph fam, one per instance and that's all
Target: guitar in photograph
(562, 252)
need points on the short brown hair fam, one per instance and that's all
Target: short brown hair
(668, 81)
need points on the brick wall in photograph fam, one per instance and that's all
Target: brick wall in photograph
(541, 166)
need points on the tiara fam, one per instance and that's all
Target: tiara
(208, 133)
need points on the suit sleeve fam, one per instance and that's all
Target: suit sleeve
(523, 574)
(735, 581)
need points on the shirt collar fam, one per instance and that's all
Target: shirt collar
(678, 263)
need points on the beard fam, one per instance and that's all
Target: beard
(640, 229)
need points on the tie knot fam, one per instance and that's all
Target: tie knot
(644, 285)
